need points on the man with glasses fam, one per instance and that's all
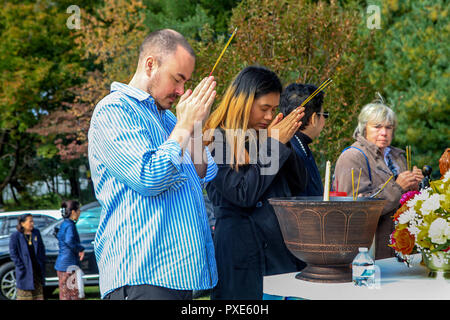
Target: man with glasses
(312, 124)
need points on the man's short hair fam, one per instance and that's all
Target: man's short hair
(294, 95)
(162, 43)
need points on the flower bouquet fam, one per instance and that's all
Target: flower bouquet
(422, 223)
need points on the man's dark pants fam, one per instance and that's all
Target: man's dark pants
(148, 292)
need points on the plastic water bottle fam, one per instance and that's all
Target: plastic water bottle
(363, 269)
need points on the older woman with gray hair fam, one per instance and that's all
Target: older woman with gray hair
(378, 160)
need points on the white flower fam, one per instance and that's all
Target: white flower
(431, 204)
(439, 231)
(413, 230)
(446, 176)
(413, 226)
(423, 195)
(412, 202)
(406, 216)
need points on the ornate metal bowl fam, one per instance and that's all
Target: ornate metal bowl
(327, 234)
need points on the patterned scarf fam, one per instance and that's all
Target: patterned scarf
(391, 165)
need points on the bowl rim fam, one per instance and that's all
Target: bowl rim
(318, 201)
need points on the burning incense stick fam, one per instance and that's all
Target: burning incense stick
(407, 158)
(357, 187)
(320, 88)
(410, 159)
(326, 191)
(223, 51)
(353, 185)
(378, 192)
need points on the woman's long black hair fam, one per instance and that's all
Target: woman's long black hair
(258, 79)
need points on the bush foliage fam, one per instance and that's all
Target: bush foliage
(410, 67)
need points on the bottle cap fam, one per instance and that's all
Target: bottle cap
(363, 249)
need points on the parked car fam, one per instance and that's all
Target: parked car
(86, 226)
(42, 218)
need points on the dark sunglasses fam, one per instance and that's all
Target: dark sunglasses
(324, 114)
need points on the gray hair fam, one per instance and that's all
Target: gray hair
(162, 43)
(378, 112)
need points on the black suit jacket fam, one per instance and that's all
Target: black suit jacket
(248, 240)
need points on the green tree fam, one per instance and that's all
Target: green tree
(185, 16)
(108, 31)
(37, 65)
(189, 16)
(410, 68)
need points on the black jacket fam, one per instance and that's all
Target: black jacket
(314, 186)
(247, 239)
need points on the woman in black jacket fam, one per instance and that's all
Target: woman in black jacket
(27, 251)
(255, 162)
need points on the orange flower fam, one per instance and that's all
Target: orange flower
(403, 242)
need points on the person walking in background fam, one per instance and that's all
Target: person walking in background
(247, 237)
(378, 160)
(71, 252)
(153, 240)
(27, 251)
(312, 124)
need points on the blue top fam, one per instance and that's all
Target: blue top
(314, 185)
(153, 226)
(69, 246)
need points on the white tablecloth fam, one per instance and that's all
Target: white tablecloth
(398, 282)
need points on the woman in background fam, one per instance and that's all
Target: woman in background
(71, 252)
(27, 251)
(378, 160)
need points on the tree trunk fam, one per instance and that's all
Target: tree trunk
(75, 190)
(14, 194)
(12, 170)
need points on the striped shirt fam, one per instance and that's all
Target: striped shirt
(153, 226)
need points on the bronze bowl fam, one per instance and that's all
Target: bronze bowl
(326, 235)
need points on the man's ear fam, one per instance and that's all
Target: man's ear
(150, 65)
(313, 120)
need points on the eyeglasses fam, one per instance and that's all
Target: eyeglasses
(324, 114)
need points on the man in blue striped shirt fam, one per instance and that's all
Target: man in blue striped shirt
(153, 240)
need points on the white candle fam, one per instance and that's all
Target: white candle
(326, 191)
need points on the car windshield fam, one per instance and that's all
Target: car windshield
(89, 220)
(87, 223)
